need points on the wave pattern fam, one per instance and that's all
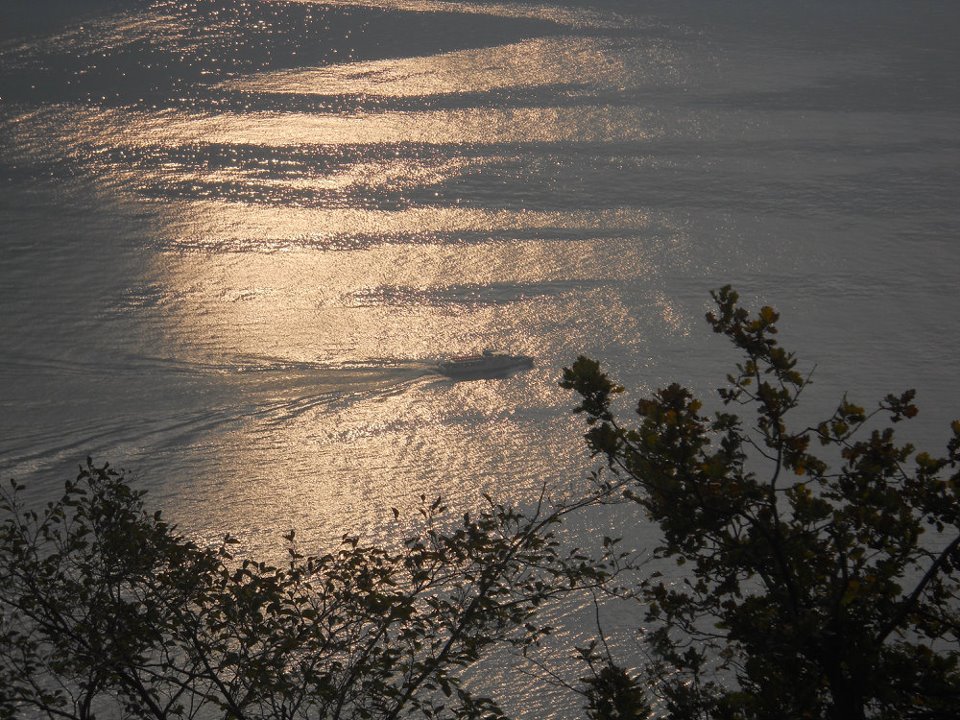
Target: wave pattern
(238, 234)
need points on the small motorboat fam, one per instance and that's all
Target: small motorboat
(487, 364)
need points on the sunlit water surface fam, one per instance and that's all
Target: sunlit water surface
(236, 235)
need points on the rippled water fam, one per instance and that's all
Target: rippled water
(236, 234)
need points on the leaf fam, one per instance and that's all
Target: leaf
(851, 593)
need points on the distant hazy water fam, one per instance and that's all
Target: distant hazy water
(236, 233)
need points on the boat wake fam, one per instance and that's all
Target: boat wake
(165, 407)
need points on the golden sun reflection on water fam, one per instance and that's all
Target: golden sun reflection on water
(339, 469)
(346, 417)
(585, 62)
(475, 126)
(583, 18)
(215, 226)
(303, 255)
(237, 260)
(386, 302)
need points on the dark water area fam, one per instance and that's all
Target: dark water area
(236, 235)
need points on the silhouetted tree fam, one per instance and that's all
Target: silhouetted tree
(106, 609)
(809, 591)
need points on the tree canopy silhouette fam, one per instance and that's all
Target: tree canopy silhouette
(819, 583)
(105, 609)
(819, 579)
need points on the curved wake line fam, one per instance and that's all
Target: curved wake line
(258, 390)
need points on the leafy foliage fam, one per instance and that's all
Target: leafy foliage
(810, 592)
(105, 608)
(820, 579)
(611, 692)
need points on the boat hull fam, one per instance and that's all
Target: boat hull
(484, 366)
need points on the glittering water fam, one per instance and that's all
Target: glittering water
(236, 234)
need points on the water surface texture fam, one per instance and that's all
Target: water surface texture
(236, 234)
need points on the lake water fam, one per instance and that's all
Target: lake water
(236, 234)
